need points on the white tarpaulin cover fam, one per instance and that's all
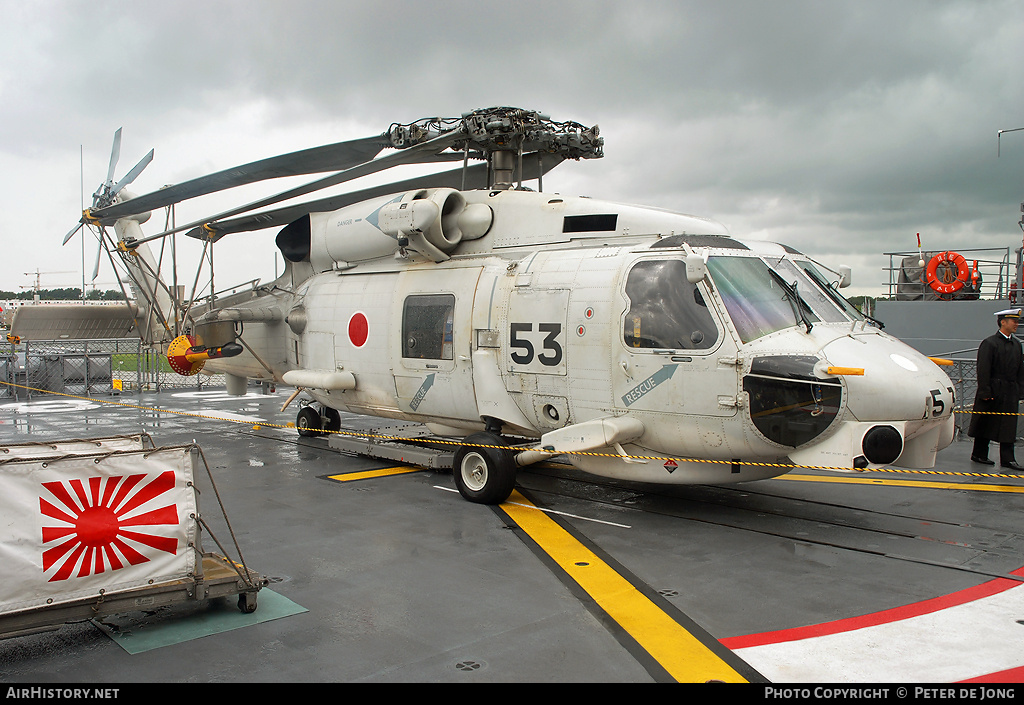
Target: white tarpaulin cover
(73, 527)
(81, 446)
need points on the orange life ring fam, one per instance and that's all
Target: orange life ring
(943, 284)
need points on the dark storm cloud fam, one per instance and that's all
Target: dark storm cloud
(844, 128)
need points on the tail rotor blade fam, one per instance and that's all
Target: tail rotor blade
(115, 153)
(96, 267)
(71, 234)
(133, 174)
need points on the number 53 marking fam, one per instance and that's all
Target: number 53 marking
(523, 352)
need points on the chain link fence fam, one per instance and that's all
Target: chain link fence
(105, 367)
(964, 374)
(89, 367)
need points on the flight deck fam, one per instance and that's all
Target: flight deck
(379, 571)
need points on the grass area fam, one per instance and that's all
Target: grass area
(129, 362)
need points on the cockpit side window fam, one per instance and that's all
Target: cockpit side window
(427, 326)
(665, 310)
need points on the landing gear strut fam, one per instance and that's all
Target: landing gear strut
(484, 469)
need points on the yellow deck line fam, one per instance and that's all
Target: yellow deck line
(903, 483)
(368, 474)
(679, 652)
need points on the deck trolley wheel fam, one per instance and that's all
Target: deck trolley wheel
(247, 602)
(308, 422)
(484, 473)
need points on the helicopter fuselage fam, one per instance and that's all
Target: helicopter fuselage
(642, 344)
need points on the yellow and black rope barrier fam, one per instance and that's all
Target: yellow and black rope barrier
(551, 452)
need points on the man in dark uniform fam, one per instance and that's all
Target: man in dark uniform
(1000, 386)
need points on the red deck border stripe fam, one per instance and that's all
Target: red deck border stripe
(1011, 675)
(896, 614)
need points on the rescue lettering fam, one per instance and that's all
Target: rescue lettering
(648, 384)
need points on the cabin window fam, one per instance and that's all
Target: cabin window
(427, 323)
(665, 310)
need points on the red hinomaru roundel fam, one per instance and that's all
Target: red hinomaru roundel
(96, 534)
(358, 329)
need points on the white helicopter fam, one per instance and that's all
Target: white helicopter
(639, 344)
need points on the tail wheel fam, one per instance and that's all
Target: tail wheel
(484, 469)
(308, 422)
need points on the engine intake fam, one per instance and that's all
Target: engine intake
(294, 240)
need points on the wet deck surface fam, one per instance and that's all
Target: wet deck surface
(398, 579)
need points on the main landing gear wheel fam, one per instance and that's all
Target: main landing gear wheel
(484, 473)
(317, 421)
(308, 422)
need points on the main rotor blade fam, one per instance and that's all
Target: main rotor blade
(423, 152)
(282, 216)
(133, 174)
(115, 153)
(331, 157)
(475, 178)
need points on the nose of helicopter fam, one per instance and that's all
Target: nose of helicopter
(898, 405)
(898, 383)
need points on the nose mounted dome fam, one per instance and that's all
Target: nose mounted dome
(789, 405)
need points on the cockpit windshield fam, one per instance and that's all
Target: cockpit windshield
(758, 302)
(822, 304)
(758, 294)
(822, 281)
(761, 296)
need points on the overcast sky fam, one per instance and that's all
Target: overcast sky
(841, 128)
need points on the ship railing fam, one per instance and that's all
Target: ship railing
(86, 368)
(993, 265)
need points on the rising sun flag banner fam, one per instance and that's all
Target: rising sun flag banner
(77, 527)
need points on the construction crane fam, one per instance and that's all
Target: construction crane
(37, 274)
